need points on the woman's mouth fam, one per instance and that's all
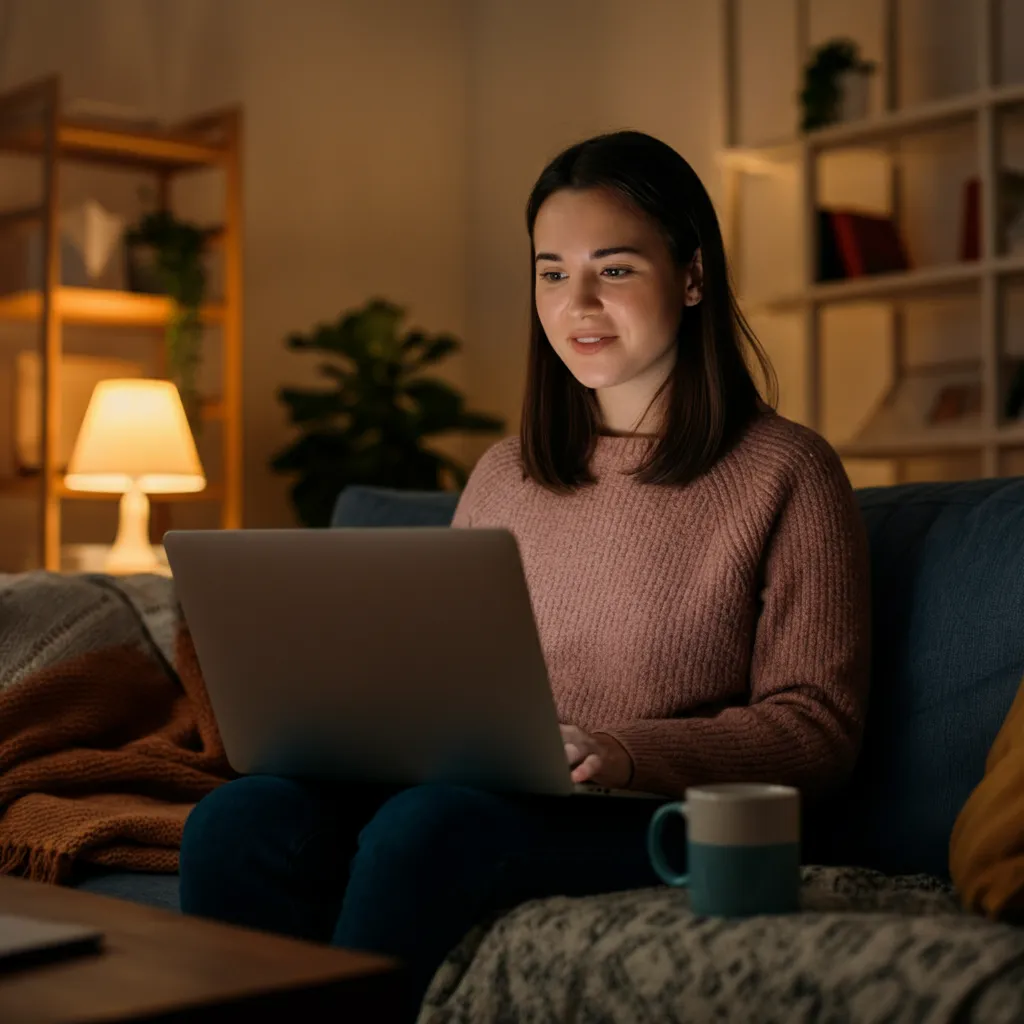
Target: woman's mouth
(589, 344)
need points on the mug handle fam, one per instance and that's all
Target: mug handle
(654, 831)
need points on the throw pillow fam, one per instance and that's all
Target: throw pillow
(986, 851)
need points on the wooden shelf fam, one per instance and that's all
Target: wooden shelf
(919, 282)
(937, 441)
(774, 156)
(30, 486)
(35, 123)
(26, 215)
(86, 143)
(98, 307)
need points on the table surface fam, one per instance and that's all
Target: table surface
(160, 965)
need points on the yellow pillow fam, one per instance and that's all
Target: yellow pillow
(986, 849)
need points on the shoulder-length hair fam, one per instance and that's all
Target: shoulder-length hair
(712, 395)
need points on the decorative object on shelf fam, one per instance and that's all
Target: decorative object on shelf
(855, 244)
(166, 255)
(835, 85)
(135, 441)
(1010, 225)
(933, 398)
(89, 237)
(955, 402)
(371, 426)
(939, 399)
(97, 233)
(79, 376)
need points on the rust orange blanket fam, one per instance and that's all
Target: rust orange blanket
(107, 739)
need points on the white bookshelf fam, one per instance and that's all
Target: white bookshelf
(986, 277)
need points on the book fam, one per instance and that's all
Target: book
(857, 244)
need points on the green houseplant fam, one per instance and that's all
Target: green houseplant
(821, 96)
(371, 425)
(166, 256)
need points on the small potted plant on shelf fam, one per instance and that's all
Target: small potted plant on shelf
(165, 256)
(372, 425)
(835, 85)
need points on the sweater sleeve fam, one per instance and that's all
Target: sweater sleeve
(810, 660)
(490, 481)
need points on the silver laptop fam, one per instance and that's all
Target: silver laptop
(386, 655)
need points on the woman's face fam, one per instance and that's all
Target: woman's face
(609, 295)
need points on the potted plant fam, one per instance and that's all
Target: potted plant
(372, 424)
(835, 85)
(166, 255)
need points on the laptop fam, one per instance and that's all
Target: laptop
(378, 655)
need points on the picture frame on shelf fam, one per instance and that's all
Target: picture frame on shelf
(942, 397)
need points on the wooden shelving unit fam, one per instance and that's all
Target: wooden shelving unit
(985, 277)
(31, 124)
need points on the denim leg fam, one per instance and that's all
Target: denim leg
(272, 853)
(437, 859)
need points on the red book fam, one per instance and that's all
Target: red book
(868, 244)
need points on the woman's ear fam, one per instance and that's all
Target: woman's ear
(693, 280)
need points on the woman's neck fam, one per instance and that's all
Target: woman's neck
(630, 410)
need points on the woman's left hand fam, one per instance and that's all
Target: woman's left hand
(596, 758)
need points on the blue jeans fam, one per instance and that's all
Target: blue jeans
(403, 873)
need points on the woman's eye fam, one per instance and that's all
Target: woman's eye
(617, 272)
(552, 275)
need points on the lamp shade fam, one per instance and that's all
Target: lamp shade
(135, 435)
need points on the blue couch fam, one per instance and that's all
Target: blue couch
(948, 582)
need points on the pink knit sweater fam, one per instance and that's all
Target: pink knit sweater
(719, 631)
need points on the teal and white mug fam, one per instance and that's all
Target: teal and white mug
(742, 848)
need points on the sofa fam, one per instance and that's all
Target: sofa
(881, 935)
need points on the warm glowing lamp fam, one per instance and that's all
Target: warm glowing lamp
(134, 441)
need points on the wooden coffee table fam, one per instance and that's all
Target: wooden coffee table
(157, 965)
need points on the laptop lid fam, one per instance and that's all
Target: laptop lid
(380, 655)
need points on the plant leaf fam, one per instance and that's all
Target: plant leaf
(311, 406)
(436, 350)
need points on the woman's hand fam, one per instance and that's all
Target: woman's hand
(597, 758)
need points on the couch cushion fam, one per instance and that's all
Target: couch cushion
(154, 890)
(948, 597)
(379, 506)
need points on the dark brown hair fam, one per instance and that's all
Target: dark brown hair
(712, 395)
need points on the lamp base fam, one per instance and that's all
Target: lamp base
(131, 551)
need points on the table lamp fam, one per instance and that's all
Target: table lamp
(134, 441)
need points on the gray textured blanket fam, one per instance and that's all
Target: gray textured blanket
(47, 618)
(866, 949)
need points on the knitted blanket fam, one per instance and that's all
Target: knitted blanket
(866, 948)
(107, 738)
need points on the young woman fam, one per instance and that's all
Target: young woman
(699, 574)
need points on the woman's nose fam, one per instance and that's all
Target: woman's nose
(584, 296)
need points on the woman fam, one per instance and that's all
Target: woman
(698, 569)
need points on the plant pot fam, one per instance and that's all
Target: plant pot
(853, 86)
(141, 271)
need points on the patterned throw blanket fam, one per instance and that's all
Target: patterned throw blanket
(865, 949)
(107, 739)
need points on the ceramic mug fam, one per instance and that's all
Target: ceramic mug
(742, 845)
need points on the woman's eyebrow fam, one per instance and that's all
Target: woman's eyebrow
(597, 254)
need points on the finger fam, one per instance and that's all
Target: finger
(589, 768)
(573, 753)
